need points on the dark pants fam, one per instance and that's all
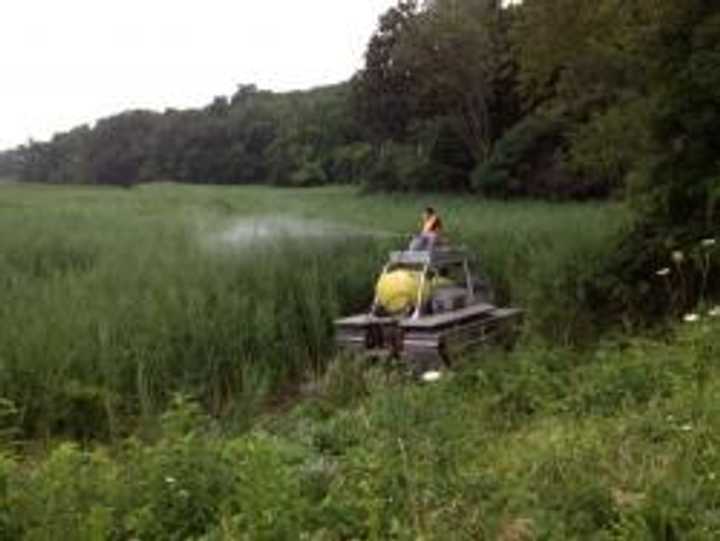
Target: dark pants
(423, 242)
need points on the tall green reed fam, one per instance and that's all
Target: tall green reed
(113, 300)
(100, 325)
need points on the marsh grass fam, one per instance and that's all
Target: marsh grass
(114, 300)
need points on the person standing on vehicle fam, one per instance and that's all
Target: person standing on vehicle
(431, 230)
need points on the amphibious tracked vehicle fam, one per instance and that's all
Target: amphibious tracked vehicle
(452, 312)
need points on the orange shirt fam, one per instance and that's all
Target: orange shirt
(432, 225)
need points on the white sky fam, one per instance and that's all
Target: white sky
(69, 62)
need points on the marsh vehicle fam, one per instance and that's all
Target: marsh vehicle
(430, 306)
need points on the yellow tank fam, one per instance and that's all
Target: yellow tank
(397, 291)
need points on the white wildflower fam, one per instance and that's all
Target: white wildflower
(691, 318)
(708, 243)
(715, 312)
(686, 428)
(678, 257)
(431, 376)
(170, 480)
(663, 272)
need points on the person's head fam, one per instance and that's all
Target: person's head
(428, 213)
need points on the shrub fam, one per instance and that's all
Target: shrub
(308, 173)
(608, 147)
(527, 161)
(677, 199)
(350, 163)
(408, 167)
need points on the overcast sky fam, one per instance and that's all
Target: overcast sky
(68, 62)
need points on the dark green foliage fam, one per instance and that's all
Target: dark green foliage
(677, 194)
(383, 95)
(298, 138)
(542, 156)
(527, 161)
(439, 78)
(406, 167)
(543, 98)
(120, 148)
(686, 180)
(610, 148)
(10, 165)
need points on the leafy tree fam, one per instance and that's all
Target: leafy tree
(545, 98)
(683, 190)
(253, 136)
(119, 147)
(10, 164)
(431, 69)
(383, 94)
(678, 197)
(591, 62)
(460, 54)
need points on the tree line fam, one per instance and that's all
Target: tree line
(543, 98)
(297, 138)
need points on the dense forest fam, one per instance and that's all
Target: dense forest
(544, 98)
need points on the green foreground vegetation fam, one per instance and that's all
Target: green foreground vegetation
(167, 372)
